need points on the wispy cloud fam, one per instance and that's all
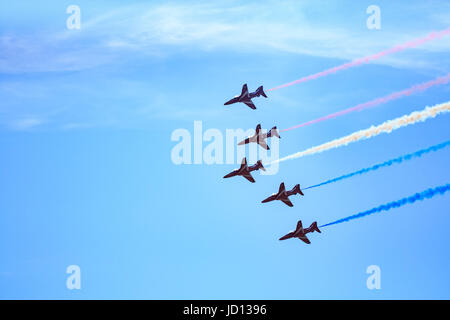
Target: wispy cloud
(111, 46)
(26, 123)
(171, 28)
(270, 26)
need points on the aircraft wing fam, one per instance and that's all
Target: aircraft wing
(287, 201)
(248, 176)
(304, 239)
(244, 163)
(244, 91)
(250, 104)
(263, 144)
(271, 198)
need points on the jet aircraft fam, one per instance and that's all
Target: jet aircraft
(284, 195)
(245, 170)
(260, 138)
(300, 233)
(246, 97)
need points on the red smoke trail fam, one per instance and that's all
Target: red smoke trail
(378, 101)
(411, 44)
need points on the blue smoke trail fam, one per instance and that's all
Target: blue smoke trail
(427, 194)
(388, 163)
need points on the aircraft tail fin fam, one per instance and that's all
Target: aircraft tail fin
(273, 133)
(297, 190)
(260, 165)
(260, 91)
(314, 227)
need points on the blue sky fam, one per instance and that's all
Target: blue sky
(86, 118)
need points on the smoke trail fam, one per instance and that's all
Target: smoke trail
(427, 194)
(378, 101)
(411, 44)
(388, 163)
(387, 127)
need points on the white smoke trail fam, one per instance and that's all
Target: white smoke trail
(386, 127)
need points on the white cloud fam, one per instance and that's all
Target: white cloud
(26, 123)
(266, 26)
(173, 28)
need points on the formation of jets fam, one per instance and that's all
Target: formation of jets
(244, 170)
